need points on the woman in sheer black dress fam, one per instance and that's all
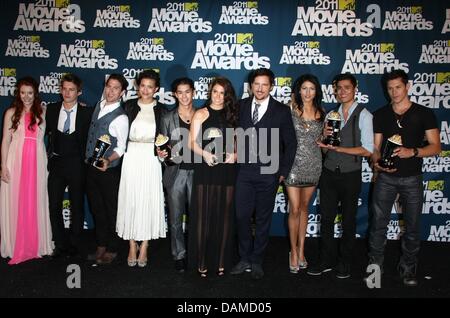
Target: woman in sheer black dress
(212, 219)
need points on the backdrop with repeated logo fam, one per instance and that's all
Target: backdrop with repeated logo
(203, 39)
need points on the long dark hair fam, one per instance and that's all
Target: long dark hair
(317, 101)
(229, 103)
(35, 110)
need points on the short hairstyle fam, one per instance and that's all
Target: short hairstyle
(182, 81)
(72, 78)
(394, 74)
(149, 74)
(345, 76)
(120, 78)
(261, 72)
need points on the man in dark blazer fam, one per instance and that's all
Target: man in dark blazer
(67, 127)
(179, 171)
(266, 146)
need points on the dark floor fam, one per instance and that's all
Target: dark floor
(47, 277)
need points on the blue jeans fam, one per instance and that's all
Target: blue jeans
(411, 196)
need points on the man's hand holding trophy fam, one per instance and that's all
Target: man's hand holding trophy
(101, 146)
(331, 132)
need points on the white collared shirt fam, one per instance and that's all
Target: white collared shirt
(262, 108)
(118, 127)
(63, 116)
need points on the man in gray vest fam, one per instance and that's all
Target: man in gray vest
(102, 183)
(340, 181)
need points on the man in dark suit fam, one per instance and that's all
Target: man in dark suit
(67, 127)
(179, 171)
(264, 161)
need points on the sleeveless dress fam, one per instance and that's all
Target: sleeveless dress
(307, 166)
(212, 216)
(24, 214)
(140, 212)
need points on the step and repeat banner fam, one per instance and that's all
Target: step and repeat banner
(203, 39)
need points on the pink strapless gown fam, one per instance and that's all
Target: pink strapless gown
(27, 237)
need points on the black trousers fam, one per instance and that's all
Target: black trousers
(254, 193)
(71, 173)
(338, 187)
(103, 190)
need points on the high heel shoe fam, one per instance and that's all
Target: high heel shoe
(203, 273)
(292, 269)
(133, 261)
(221, 272)
(142, 262)
(303, 264)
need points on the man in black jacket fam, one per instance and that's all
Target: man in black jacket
(67, 127)
(269, 125)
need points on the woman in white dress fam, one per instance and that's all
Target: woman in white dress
(140, 213)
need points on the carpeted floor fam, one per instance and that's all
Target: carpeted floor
(48, 278)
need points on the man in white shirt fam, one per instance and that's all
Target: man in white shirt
(109, 119)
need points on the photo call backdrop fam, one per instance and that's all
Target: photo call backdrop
(203, 39)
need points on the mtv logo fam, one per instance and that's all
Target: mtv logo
(313, 44)
(35, 38)
(62, 3)
(416, 10)
(347, 5)
(443, 77)
(244, 38)
(284, 81)
(252, 4)
(125, 8)
(191, 6)
(158, 41)
(9, 72)
(98, 44)
(387, 47)
(435, 185)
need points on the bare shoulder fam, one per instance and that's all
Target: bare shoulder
(9, 112)
(201, 114)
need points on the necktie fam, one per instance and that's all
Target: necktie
(255, 114)
(66, 128)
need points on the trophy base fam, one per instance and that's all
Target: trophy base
(94, 162)
(386, 164)
(332, 142)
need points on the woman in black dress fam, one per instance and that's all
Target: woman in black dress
(211, 221)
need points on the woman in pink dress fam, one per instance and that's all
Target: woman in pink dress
(24, 215)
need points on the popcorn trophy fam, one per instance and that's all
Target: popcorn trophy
(216, 146)
(101, 146)
(333, 121)
(163, 143)
(387, 161)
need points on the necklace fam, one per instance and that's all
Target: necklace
(399, 117)
(186, 118)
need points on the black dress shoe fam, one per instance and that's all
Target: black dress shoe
(257, 271)
(59, 252)
(180, 266)
(240, 268)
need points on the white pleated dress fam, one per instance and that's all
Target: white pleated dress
(140, 213)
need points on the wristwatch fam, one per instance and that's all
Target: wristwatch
(416, 152)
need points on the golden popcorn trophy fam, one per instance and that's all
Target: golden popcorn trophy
(162, 142)
(333, 121)
(387, 161)
(101, 146)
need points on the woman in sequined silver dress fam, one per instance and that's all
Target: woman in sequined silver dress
(308, 116)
